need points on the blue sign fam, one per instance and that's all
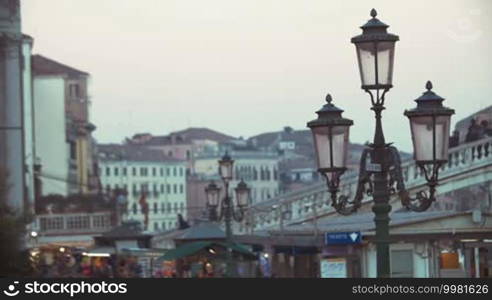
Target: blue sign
(343, 238)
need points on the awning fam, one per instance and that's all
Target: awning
(194, 247)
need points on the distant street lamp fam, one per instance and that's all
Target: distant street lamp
(380, 169)
(227, 211)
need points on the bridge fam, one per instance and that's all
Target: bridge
(468, 165)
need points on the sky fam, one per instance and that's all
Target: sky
(244, 67)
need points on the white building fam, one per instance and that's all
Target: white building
(63, 139)
(52, 148)
(139, 171)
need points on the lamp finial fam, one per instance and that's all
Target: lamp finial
(374, 13)
(328, 98)
(428, 85)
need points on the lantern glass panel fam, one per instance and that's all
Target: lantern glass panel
(213, 197)
(225, 169)
(242, 196)
(422, 134)
(366, 55)
(331, 153)
(386, 53)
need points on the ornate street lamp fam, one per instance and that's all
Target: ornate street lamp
(380, 167)
(212, 191)
(242, 194)
(227, 211)
(331, 136)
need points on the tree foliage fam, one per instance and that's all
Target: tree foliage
(14, 258)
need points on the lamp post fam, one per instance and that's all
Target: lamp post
(227, 211)
(380, 172)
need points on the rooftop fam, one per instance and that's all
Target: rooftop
(186, 136)
(42, 65)
(117, 152)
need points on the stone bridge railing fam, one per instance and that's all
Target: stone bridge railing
(312, 202)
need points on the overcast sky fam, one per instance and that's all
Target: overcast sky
(245, 67)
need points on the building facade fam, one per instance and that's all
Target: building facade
(155, 184)
(258, 169)
(11, 114)
(63, 140)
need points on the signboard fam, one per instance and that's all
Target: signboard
(333, 268)
(343, 238)
(370, 167)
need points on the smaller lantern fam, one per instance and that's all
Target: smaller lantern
(242, 194)
(213, 195)
(429, 124)
(225, 167)
(331, 136)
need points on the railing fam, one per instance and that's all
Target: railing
(74, 223)
(312, 202)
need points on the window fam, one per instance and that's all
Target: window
(188, 154)
(154, 172)
(78, 222)
(175, 207)
(162, 171)
(162, 188)
(168, 207)
(108, 171)
(143, 171)
(74, 90)
(116, 171)
(168, 172)
(401, 263)
(101, 221)
(175, 173)
(108, 188)
(51, 223)
(181, 189)
(170, 153)
(163, 225)
(123, 170)
(168, 187)
(134, 208)
(73, 150)
(156, 226)
(170, 225)
(181, 172)
(175, 188)
(163, 208)
(155, 208)
(181, 207)
(134, 171)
